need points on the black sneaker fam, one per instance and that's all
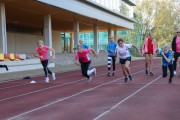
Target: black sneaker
(146, 72)
(150, 74)
(113, 74)
(125, 80)
(6, 67)
(170, 80)
(109, 74)
(130, 78)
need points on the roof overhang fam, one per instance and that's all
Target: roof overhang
(130, 2)
(31, 14)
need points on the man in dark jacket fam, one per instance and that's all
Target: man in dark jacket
(176, 49)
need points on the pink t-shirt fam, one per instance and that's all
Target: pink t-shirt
(43, 52)
(83, 56)
(178, 44)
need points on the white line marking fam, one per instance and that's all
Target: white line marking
(125, 99)
(60, 100)
(50, 88)
(17, 79)
(37, 83)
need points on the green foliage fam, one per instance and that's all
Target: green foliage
(159, 16)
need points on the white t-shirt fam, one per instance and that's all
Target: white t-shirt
(124, 51)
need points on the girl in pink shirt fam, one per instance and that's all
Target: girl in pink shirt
(42, 53)
(176, 49)
(85, 62)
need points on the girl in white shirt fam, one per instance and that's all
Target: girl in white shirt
(125, 57)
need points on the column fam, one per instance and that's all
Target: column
(3, 32)
(109, 32)
(115, 35)
(76, 33)
(48, 31)
(95, 30)
(71, 43)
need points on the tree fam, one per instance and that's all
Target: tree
(146, 12)
(159, 16)
(164, 25)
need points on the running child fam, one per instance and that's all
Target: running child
(125, 58)
(85, 62)
(84, 46)
(42, 53)
(149, 48)
(111, 48)
(167, 62)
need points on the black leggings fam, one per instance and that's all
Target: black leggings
(176, 55)
(111, 59)
(164, 68)
(46, 69)
(84, 68)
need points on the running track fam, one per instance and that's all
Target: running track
(70, 97)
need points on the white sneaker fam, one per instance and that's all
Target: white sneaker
(47, 80)
(53, 76)
(94, 73)
(174, 72)
(89, 79)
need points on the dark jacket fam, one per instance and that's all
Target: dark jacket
(174, 44)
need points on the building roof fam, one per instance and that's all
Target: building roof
(31, 13)
(130, 2)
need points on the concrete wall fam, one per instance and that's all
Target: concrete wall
(56, 44)
(26, 43)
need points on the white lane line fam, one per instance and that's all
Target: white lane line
(13, 86)
(28, 93)
(18, 79)
(125, 99)
(60, 100)
(98, 67)
(37, 83)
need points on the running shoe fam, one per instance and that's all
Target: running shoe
(89, 79)
(130, 78)
(47, 80)
(109, 74)
(125, 80)
(94, 73)
(146, 72)
(53, 76)
(170, 80)
(113, 74)
(150, 74)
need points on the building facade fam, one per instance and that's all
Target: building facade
(60, 23)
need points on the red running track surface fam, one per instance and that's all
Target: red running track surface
(70, 97)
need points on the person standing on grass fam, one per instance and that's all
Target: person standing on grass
(176, 49)
(42, 53)
(167, 62)
(125, 58)
(149, 48)
(4, 66)
(111, 48)
(85, 62)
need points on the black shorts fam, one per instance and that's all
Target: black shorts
(122, 61)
